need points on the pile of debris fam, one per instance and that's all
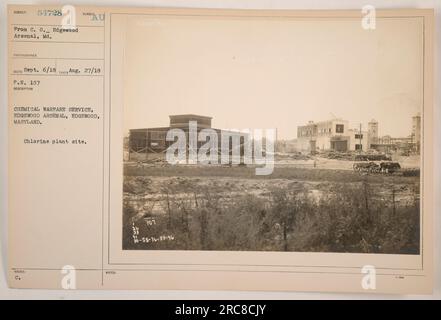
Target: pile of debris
(337, 155)
(153, 162)
(411, 172)
(355, 156)
(374, 167)
(292, 156)
(299, 156)
(372, 157)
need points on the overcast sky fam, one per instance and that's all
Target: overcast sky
(273, 73)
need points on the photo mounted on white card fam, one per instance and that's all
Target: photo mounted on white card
(221, 149)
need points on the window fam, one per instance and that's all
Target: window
(358, 136)
(157, 135)
(358, 147)
(339, 128)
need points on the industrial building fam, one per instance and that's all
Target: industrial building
(332, 135)
(146, 141)
(335, 135)
(405, 145)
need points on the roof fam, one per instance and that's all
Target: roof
(145, 129)
(189, 115)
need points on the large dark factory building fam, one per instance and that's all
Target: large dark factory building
(153, 140)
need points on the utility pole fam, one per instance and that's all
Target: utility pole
(360, 138)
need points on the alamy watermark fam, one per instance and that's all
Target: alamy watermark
(69, 17)
(222, 147)
(369, 279)
(369, 17)
(69, 279)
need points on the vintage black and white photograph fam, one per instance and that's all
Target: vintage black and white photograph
(267, 134)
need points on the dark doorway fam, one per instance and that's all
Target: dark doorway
(339, 145)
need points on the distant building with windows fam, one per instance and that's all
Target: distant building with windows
(358, 140)
(330, 135)
(324, 135)
(335, 135)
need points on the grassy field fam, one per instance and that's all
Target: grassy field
(293, 209)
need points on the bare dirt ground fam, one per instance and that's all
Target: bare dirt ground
(145, 185)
